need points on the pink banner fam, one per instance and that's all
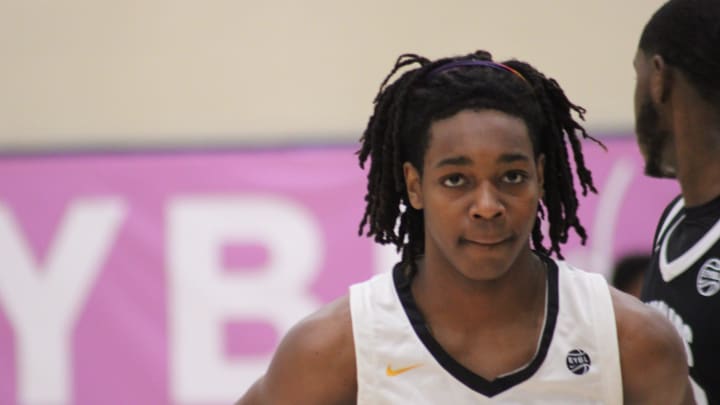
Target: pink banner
(170, 278)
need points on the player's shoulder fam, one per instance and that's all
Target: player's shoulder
(323, 333)
(641, 324)
(314, 363)
(652, 353)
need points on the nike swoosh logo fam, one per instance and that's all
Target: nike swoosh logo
(392, 372)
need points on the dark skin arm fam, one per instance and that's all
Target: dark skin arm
(652, 355)
(314, 363)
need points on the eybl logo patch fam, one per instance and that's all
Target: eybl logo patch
(578, 362)
(708, 278)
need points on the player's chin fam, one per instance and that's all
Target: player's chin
(488, 261)
(486, 270)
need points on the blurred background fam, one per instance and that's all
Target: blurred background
(178, 184)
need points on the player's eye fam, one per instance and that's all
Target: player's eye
(454, 180)
(515, 177)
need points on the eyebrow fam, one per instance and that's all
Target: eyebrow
(465, 161)
(513, 157)
(454, 161)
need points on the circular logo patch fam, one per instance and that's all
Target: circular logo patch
(708, 278)
(578, 362)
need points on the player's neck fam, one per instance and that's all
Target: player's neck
(697, 142)
(519, 293)
(699, 180)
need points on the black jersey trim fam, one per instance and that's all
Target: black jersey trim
(489, 388)
(662, 228)
(710, 209)
(670, 269)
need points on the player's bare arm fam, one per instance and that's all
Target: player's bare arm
(314, 363)
(652, 355)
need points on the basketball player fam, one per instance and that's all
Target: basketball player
(677, 110)
(462, 151)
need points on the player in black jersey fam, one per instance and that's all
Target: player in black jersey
(677, 110)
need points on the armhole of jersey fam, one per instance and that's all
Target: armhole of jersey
(606, 332)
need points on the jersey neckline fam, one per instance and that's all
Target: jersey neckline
(489, 388)
(673, 268)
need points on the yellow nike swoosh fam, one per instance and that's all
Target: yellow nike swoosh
(392, 372)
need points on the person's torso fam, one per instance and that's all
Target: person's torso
(683, 283)
(399, 362)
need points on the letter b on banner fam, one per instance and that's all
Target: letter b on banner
(204, 297)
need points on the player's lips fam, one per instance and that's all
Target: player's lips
(486, 242)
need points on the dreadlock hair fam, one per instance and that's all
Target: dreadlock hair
(399, 131)
(686, 34)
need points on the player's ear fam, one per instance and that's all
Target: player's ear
(661, 79)
(413, 185)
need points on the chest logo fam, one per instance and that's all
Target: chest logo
(392, 372)
(578, 362)
(708, 278)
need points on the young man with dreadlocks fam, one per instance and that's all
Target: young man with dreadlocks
(462, 151)
(677, 110)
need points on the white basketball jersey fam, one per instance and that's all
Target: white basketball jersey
(399, 362)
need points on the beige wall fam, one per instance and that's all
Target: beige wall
(93, 73)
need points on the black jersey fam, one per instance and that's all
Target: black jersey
(683, 282)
